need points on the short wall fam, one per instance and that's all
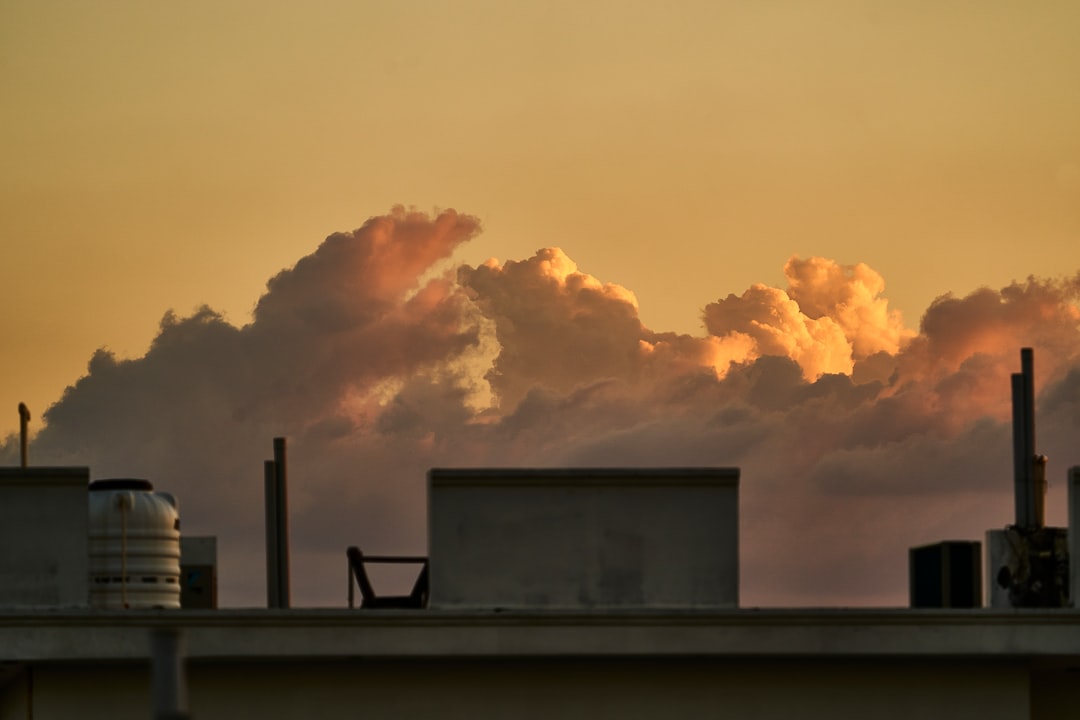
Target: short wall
(584, 538)
(43, 537)
(15, 701)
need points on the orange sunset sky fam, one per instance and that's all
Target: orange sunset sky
(161, 157)
(166, 156)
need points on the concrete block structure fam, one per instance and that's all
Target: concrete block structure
(584, 538)
(198, 572)
(43, 537)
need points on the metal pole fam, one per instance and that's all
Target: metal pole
(282, 509)
(169, 680)
(349, 580)
(24, 439)
(273, 598)
(1038, 490)
(1027, 369)
(1020, 462)
(1074, 536)
(1030, 487)
(1036, 464)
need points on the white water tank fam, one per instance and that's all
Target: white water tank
(134, 546)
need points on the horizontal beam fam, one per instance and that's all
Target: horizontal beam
(260, 635)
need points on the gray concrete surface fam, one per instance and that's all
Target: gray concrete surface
(584, 538)
(328, 634)
(545, 689)
(43, 537)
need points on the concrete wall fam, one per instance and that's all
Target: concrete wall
(329, 664)
(1055, 694)
(545, 689)
(43, 537)
(15, 693)
(584, 538)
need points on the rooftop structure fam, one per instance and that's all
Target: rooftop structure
(584, 538)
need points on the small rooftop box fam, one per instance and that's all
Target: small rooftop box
(946, 574)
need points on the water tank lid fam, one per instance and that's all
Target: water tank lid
(121, 484)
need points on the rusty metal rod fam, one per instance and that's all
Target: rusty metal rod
(24, 438)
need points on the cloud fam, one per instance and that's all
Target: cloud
(830, 317)
(857, 437)
(197, 412)
(561, 329)
(850, 295)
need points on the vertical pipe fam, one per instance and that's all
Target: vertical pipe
(273, 599)
(1027, 369)
(169, 679)
(24, 440)
(1020, 463)
(1038, 490)
(1074, 536)
(349, 580)
(282, 508)
(1036, 464)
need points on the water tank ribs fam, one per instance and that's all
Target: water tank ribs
(134, 546)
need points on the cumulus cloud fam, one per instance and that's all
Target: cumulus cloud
(829, 317)
(330, 338)
(851, 296)
(560, 329)
(857, 436)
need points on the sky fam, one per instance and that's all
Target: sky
(807, 239)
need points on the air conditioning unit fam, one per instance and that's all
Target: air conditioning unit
(946, 574)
